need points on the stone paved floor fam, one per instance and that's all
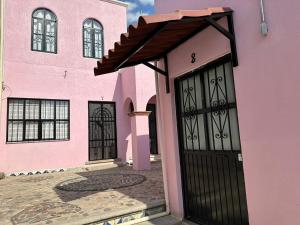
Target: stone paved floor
(79, 197)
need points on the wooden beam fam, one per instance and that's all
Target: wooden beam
(141, 44)
(219, 28)
(155, 68)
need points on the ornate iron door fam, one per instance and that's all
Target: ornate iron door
(152, 129)
(210, 150)
(102, 131)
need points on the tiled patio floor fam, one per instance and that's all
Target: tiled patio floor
(79, 197)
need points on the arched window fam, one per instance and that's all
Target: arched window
(92, 39)
(44, 31)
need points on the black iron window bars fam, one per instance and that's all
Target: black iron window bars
(92, 39)
(208, 110)
(44, 31)
(37, 120)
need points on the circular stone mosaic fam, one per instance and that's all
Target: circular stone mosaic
(101, 182)
(44, 211)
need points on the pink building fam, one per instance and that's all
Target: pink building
(55, 113)
(228, 125)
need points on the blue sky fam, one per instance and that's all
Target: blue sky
(137, 8)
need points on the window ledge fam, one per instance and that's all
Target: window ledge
(39, 141)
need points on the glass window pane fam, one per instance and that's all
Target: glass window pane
(31, 130)
(49, 16)
(62, 110)
(50, 28)
(50, 44)
(39, 14)
(37, 42)
(88, 43)
(62, 130)
(97, 25)
(15, 110)
(47, 130)
(88, 24)
(107, 112)
(220, 85)
(47, 109)
(15, 131)
(194, 132)
(32, 109)
(37, 26)
(98, 45)
(211, 87)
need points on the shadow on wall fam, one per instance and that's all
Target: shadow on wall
(123, 121)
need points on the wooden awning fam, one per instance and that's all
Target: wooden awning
(155, 36)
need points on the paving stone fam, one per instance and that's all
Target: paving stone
(36, 200)
(166, 220)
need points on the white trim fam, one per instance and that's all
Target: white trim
(116, 2)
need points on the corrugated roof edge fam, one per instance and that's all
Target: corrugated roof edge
(116, 2)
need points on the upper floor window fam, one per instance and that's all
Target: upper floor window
(44, 31)
(92, 39)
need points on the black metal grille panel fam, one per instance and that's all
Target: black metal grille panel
(37, 119)
(210, 150)
(92, 39)
(102, 131)
(44, 31)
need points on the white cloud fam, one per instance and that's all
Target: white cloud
(147, 2)
(132, 17)
(132, 6)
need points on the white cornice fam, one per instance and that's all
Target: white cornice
(116, 2)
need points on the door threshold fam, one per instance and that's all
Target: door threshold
(187, 222)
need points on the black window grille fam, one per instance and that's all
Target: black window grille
(208, 110)
(37, 120)
(44, 31)
(92, 39)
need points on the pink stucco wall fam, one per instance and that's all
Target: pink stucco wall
(138, 86)
(31, 74)
(266, 82)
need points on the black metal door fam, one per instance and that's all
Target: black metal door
(102, 131)
(152, 129)
(210, 150)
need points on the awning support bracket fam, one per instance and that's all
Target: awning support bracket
(162, 72)
(230, 34)
(143, 43)
(155, 68)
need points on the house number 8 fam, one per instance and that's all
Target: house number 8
(193, 56)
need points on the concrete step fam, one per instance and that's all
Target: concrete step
(185, 222)
(165, 220)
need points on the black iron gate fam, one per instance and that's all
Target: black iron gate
(210, 150)
(102, 131)
(152, 129)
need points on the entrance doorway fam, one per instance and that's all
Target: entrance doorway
(209, 145)
(102, 131)
(152, 129)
